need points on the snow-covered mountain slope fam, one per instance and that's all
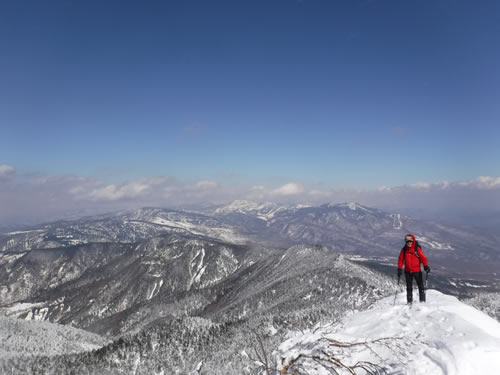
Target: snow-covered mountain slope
(440, 337)
(264, 211)
(20, 338)
(128, 227)
(348, 228)
(296, 284)
(212, 298)
(357, 229)
(85, 284)
(113, 288)
(43, 270)
(489, 303)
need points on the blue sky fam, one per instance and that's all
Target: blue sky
(327, 94)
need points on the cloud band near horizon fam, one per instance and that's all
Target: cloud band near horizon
(24, 197)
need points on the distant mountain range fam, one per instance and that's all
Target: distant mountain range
(355, 229)
(348, 228)
(143, 279)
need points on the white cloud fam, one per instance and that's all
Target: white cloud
(205, 185)
(444, 185)
(486, 182)
(158, 190)
(52, 195)
(257, 193)
(481, 183)
(421, 185)
(384, 188)
(258, 188)
(319, 193)
(105, 192)
(114, 192)
(6, 172)
(291, 188)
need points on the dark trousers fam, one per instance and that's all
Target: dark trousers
(409, 285)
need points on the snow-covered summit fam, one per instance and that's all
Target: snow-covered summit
(441, 337)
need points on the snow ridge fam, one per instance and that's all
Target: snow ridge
(441, 337)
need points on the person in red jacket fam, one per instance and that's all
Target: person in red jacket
(411, 256)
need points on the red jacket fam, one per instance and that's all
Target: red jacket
(410, 258)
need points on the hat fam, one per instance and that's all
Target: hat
(408, 238)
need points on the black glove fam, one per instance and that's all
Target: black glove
(427, 269)
(400, 272)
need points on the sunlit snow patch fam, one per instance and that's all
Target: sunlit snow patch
(435, 245)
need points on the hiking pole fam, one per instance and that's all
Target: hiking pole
(395, 294)
(426, 276)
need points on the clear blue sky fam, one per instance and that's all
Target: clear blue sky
(342, 93)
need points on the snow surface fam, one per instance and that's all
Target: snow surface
(441, 336)
(264, 211)
(226, 234)
(434, 244)
(24, 232)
